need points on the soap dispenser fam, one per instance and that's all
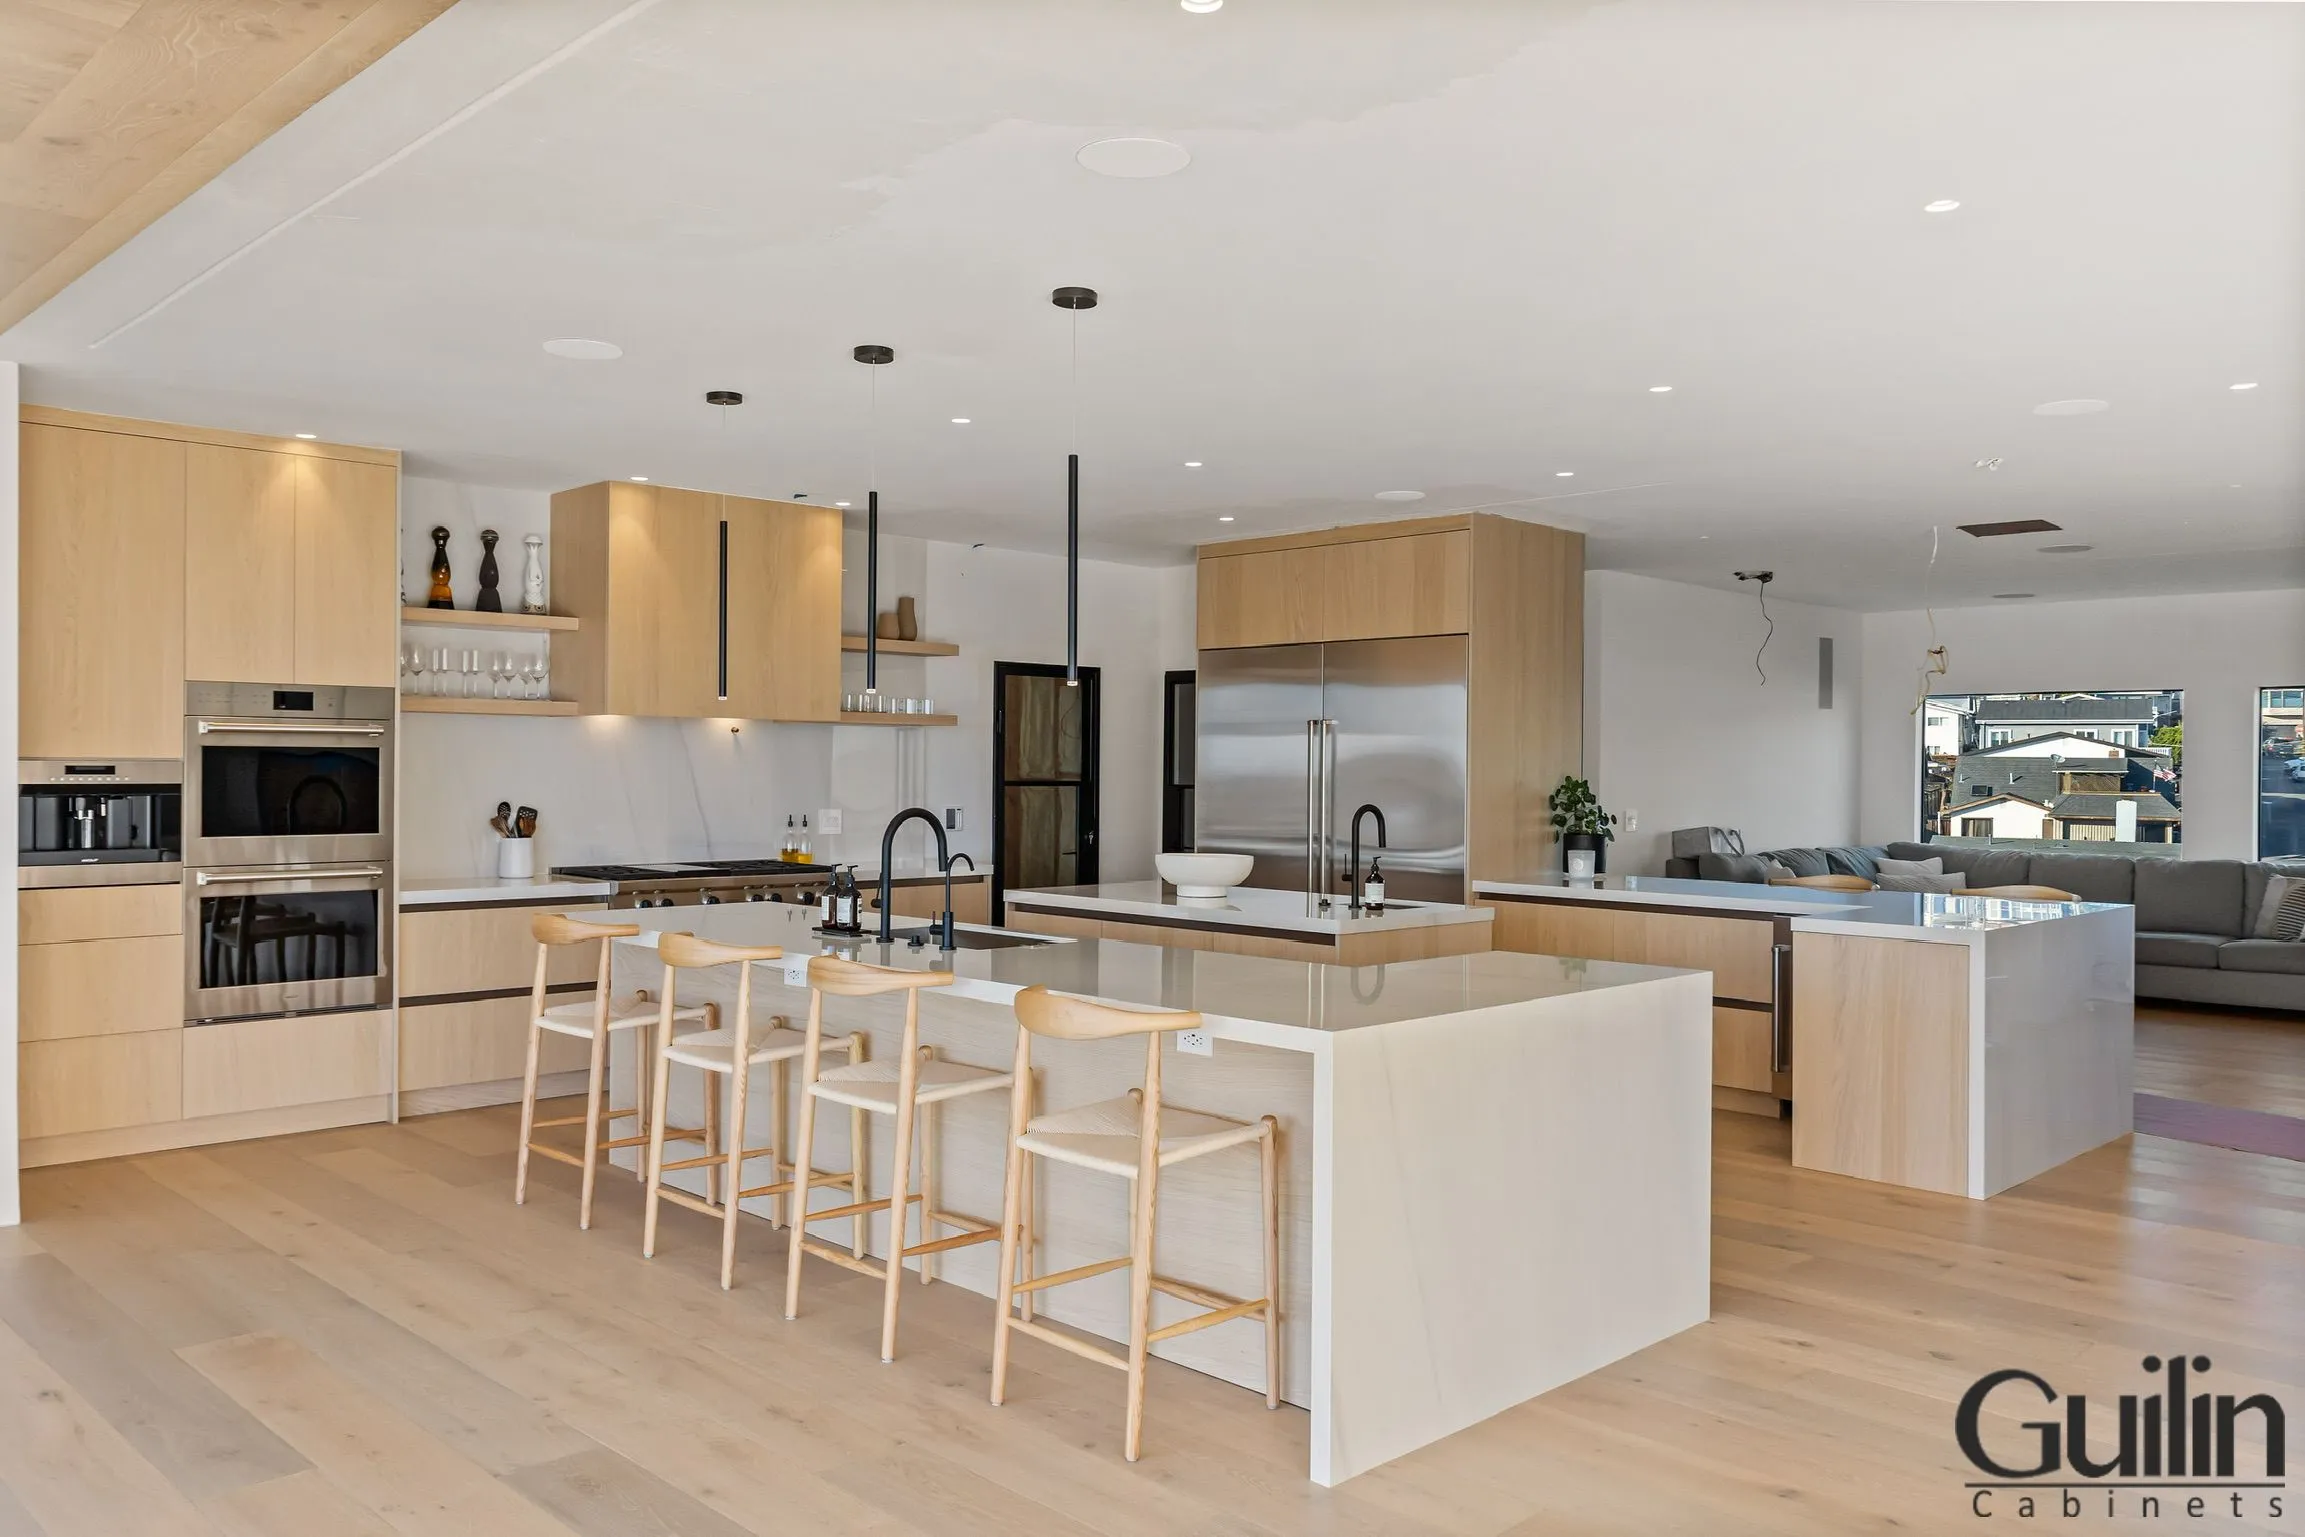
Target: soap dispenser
(1373, 888)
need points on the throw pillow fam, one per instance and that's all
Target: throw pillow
(1777, 872)
(2282, 914)
(1947, 882)
(1933, 865)
(1800, 861)
(1853, 859)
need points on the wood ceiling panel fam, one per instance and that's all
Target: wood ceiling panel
(112, 111)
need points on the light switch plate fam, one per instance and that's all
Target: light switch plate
(828, 820)
(954, 817)
(1196, 1043)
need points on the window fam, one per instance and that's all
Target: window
(2280, 779)
(2104, 767)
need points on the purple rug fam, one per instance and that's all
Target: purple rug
(2245, 1131)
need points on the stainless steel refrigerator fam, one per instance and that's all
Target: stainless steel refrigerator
(1292, 739)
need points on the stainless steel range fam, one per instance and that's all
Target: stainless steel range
(716, 880)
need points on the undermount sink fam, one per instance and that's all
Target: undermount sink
(973, 939)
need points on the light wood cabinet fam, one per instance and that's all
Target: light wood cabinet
(646, 567)
(1744, 1049)
(483, 1040)
(100, 987)
(101, 554)
(263, 1064)
(240, 584)
(347, 573)
(783, 611)
(1420, 584)
(451, 950)
(1739, 952)
(67, 913)
(1263, 598)
(99, 1082)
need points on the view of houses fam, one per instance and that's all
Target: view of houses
(2280, 772)
(2071, 768)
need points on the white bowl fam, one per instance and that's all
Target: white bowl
(1204, 875)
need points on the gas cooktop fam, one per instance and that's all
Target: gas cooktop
(679, 883)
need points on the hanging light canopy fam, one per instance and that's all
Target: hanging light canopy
(875, 354)
(1075, 300)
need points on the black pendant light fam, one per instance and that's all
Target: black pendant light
(1076, 300)
(873, 353)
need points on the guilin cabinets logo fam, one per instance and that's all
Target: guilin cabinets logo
(2175, 1450)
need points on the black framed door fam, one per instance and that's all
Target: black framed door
(1179, 738)
(1044, 778)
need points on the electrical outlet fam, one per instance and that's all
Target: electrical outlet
(1196, 1043)
(828, 820)
(954, 817)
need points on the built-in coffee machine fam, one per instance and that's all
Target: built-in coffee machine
(96, 823)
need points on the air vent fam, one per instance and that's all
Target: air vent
(2020, 526)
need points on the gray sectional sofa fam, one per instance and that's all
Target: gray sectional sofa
(2193, 915)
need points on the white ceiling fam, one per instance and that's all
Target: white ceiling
(1439, 245)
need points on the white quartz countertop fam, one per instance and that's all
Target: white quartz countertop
(457, 890)
(1910, 914)
(1291, 1004)
(1245, 907)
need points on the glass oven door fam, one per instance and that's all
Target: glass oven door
(272, 941)
(287, 792)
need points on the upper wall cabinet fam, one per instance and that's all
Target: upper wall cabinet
(697, 604)
(101, 667)
(292, 567)
(1371, 585)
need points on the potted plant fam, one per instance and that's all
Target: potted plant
(1583, 825)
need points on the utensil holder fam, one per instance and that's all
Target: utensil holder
(515, 858)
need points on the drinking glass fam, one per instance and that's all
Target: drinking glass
(442, 665)
(472, 672)
(500, 675)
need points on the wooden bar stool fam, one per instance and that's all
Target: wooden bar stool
(909, 1088)
(1133, 1137)
(731, 1053)
(595, 1021)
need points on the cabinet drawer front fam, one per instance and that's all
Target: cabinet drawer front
(1742, 1040)
(485, 1041)
(1737, 951)
(63, 914)
(263, 1064)
(100, 1083)
(483, 949)
(100, 987)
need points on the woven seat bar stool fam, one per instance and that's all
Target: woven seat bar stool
(908, 1088)
(730, 1054)
(597, 1021)
(1132, 1137)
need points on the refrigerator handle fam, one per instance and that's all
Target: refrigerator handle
(1315, 795)
(1328, 876)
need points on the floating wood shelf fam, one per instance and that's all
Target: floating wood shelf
(443, 704)
(904, 647)
(474, 619)
(849, 718)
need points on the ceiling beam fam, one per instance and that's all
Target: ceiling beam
(114, 111)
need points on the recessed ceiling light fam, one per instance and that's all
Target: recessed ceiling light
(1192, 464)
(1202, 7)
(1224, 517)
(1400, 496)
(640, 477)
(1942, 205)
(1563, 474)
(1134, 159)
(840, 504)
(2014, 595)
(2072, 407)
(2067, 549)
(583, 350)
(2252, 384)
(309, 437)
(960, 421)
(1660, 389)
(1993, 463)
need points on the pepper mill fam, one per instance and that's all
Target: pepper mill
(440, 594)
(490, 601)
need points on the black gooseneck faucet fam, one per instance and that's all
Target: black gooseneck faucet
(943, 925)
(1367, 809)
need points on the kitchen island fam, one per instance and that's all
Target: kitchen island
(1282, 925)
(1495, 1168)
(1961, 1044)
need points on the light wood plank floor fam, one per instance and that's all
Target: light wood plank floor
(355, 1332)
(2222, 1057)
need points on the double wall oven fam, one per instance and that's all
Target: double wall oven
(287, 849)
